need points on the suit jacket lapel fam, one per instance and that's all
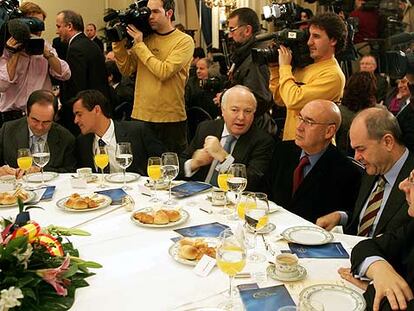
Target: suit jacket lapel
(22, 135)
(396, 198)
(53, 143)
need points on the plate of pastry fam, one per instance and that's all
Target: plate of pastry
(84, 203)
(9, 198)
(161, 218)
(189, 251)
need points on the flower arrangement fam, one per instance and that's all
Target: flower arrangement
(39, 270)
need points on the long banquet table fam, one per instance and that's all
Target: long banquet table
(139, 274)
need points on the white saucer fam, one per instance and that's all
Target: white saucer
(273, 273)
(266, 229)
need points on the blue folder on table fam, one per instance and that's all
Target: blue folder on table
(212, 230)
(266, 299)
(115, 194)
(329, 250)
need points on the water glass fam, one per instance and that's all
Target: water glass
(169, 170)
(41, 156)
(124, 158)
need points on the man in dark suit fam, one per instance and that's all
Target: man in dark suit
(90, 32)
(92, 116)
(39, 125)
(323, 178)
(86, 62)
(376, 137)
(388, 261)
(246, 144)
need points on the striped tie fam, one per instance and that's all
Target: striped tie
(373, 208)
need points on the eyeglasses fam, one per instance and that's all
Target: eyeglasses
(233, 29)
(310, 123)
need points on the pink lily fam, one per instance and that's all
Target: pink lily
(54, 276)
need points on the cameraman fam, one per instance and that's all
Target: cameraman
(21, 73)
(162, 62)
(243, 26)
(323, 79)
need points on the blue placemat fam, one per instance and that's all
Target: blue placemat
(266, 299)
(207, 230)
(115, 194)
(330, 250)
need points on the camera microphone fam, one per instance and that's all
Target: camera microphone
(19, 30)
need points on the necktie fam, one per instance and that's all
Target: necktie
(227, 146)
(298, 173)
(373, 207)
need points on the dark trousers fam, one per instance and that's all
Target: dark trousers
(172, 134)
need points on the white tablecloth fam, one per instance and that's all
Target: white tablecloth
(139, 274)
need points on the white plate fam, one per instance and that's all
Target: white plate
(174, 249)
(37, 177)
(266, 229)
(273, 273)
(106, 202)
(30, 196)
(119, 177)
(334, 297)
(183, 219)
(307, 235)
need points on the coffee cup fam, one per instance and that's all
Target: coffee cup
(84, 172)
(218, 197)
(8, 183)
(286, 265)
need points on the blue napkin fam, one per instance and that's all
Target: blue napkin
(266, 299)
(115, 194)
(207, 230)
(330, 250)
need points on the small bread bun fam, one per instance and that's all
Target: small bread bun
(188, 252)
(8, 199)
(161, 218)
(80, 204)
(173, 215)
(186, 241)
(144, 218)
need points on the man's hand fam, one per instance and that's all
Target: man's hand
(346, 274)
(7, 170)
(388, 283)
(12, 44)
(136, 34)
(200, 158)
(217, 99)
(214, 148)
(285, 55)
(329, 221)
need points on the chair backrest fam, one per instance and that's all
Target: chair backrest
(123, 111)
(195, 115)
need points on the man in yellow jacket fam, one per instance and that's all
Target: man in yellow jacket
(323, 79)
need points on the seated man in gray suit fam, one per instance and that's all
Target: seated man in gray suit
(38, 125)
(233, 139)
(309, 176)
(380, 206)
(91, 110)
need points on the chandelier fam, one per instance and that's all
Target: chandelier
(221, 3)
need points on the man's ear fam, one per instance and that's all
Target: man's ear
(169, 13)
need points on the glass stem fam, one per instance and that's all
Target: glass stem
(41, 173)
(123, 171)
(102, 177)
(169, 195)
(231, 287)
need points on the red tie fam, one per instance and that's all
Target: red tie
(298, 173)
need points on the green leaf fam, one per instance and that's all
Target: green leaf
(73, 269)
(19, 243)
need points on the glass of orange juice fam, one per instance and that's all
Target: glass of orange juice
(24, 160)
(247, 201)
(154, 174)
(222, 183)
(257, 217)
(101, 160)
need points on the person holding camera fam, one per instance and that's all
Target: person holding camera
(161, 61)
(323, 79)
(244, 25)
(21, 72)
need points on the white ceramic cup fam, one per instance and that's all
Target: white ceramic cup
(287, 265)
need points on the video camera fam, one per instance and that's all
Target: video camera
(137, 14)
(284, 16)
(22, 29)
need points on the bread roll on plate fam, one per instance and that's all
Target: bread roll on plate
(161, 218)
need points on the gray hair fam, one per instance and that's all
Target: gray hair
(238, 88)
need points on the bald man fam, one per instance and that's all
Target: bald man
(376, 138)
(233, 139)
(308, 175)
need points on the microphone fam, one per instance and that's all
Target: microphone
(19, 30)
(401, 38)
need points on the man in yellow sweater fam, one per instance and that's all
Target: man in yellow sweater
(161, 62)
(321, 80)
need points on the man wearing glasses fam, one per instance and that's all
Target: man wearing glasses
(39, 126)
(376, 138)
(308, 175)
(243, 26)
(295, 87)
